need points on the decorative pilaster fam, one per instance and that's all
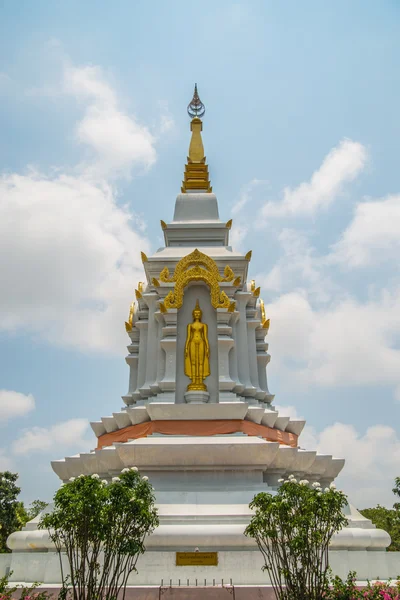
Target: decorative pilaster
(252, 325)
(225, 344)
(168, 344)
(151, 350)
(141, 325)
(263, 359)
(132, 360)
(156, 388)
(249, 390)
(233, 355)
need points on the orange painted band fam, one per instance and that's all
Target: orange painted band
(218, 427)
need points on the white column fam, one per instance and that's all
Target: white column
(160, 354)
(141, 325)
(168, 344)
(225, 344)
(243, 347)
(132, 360)
(151, 349)
(233, 355)
(252, 324)
(263, 359)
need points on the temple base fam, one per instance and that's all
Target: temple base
(242, 566)
(196, 397)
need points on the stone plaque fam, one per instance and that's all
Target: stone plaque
(197, 559)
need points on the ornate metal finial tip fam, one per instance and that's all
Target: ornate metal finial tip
(196, 108)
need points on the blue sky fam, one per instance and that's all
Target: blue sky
(302, 139)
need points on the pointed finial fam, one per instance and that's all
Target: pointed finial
(129, 323)
(196, 177)
(197, 309)
(266, 324)
(196, 108)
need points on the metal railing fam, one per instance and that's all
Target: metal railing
(201, 583)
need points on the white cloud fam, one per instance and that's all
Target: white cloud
(6, 462)
(372, 460)
(341, 345)
(298, 267)
(14, 404)
(238, 235)
(241, 222)
(119, 141)
(373, 235)
(72, 259)
(71, 254)
(243, 199)
(167, 122)
(68, 435)
(288, 411)
(340, 166)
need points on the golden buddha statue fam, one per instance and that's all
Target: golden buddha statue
(197, 352)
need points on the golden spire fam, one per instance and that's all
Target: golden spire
(196, 176)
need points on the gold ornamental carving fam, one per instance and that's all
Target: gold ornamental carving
(265, 323)
(197, 352)
(262, 309)
(129, 323)
(197, 266)
(229, 275)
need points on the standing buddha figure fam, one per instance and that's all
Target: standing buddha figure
(197, 352)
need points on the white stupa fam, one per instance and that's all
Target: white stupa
(208, 443)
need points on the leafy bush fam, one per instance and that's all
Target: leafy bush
(347, 590)
(381, 591)
(293, 529)
(343, 590)
(9, 518)
(101, 527)
(387, 519)
(25, 593)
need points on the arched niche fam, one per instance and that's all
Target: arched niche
(193, 292)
